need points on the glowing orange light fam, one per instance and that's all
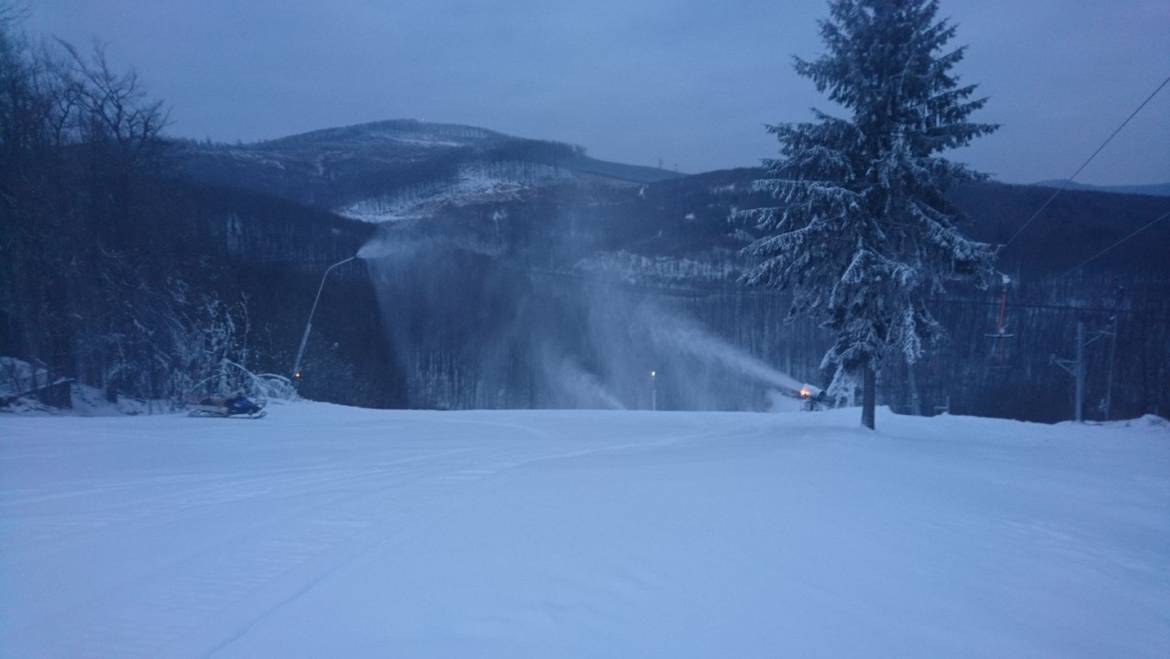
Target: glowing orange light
(805, 392)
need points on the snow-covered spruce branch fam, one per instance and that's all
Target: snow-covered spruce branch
(862, 232)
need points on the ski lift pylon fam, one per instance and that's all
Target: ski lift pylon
(1001, 334)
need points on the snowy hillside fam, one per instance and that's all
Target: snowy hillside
(401, 168)
(473, 183)
(329, 531)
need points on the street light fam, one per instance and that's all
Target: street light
(296, 372)
(654, 390)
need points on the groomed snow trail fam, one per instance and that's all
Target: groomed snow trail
(330, 531)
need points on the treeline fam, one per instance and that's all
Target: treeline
(82, 294)
(119, 275)
(468, 332)
(669, 243)
(977, 369)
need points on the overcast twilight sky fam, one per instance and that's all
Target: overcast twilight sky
(631, 80)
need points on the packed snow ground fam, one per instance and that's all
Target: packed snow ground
(324, 531)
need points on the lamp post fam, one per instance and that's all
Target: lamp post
(654, 391)
(296, 372)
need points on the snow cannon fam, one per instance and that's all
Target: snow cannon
(813, 397)
(811, 392)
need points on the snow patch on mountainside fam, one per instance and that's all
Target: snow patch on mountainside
(423, 140)
(475, 183)
(407, 131)
(640, 269)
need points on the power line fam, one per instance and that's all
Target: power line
(1131, 235)
(1084, 164)
(1052, 307)
(651, 289)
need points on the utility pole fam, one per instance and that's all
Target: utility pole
(1112, 358)
(1080, 375)
(1076, 368)
(1114, 328)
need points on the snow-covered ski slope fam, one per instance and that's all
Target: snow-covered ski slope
(324, 531)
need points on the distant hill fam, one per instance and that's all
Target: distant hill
(551, 201)
(1154, 189)
(402, 169)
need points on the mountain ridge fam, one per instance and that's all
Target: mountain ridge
(480, 186)
(402, 168)
(1150, 189)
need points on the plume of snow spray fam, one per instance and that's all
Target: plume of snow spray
(583, 346)
(582, 388)
(385, 247)
(391, 242)
(672, 332)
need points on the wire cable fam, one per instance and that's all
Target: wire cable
(1064, 185)
(1131, 235)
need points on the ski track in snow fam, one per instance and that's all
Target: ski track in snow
(330, 531)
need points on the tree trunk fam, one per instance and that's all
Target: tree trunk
(868, 398)
(912, 385)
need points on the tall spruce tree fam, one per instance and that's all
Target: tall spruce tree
(862, 233)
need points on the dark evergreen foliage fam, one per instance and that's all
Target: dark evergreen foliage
(864, 234)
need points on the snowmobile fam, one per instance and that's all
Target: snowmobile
(236, 407)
